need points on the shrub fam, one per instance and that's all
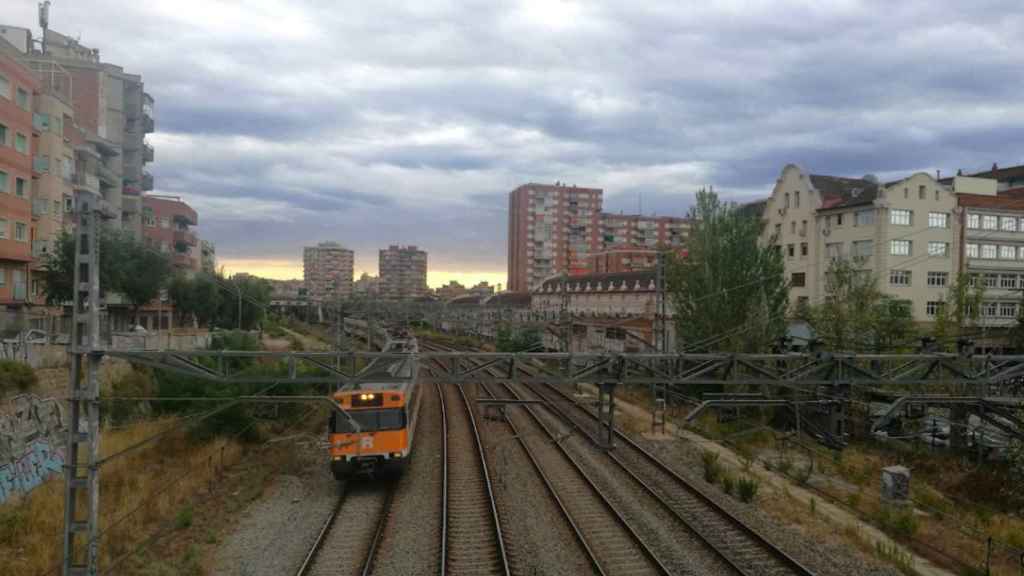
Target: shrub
(712, 469)
(746, 455)
(16, 376)
(899, 523)
(747, 488)
(183, 518)
(728, 483)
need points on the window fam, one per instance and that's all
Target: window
(1007, 252)
(899, 277)
(864, 218)
(778, 230)
(790, 250)
(973, 221)
(368, 420)
(972, 280)
(938, 278)
(988, 251)
(834, 250)
(796, 199)
(938, 249)
(803, 227)
(20, 232)
(1008, 224)
(3, 182)
(971, 250)
(989, 222)
(862, 248)
(22, 98)
(5, 87)
(989, 308)
(900, 217)
(3, 229)
(1008, 281)
(991, 280)
(921, 192)
(933, 307)
(787, 199)
(147, 217)
(1007, 309)
(906, 192)
(69, 204)
(938, 220)
(798, 279)
(3, 135)
(900, 248)
(19, 187)
(165, 222)
(21, 143)
(792, 227)
(803, 249)
(839, 219)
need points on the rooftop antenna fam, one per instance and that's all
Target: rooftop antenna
(44, 20)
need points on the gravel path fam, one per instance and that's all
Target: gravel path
(412, 536)
(277, 530)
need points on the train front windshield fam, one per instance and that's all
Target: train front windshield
(369, 420)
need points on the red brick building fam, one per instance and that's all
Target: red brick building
(166, 226)
(18, 86)
(551, 229)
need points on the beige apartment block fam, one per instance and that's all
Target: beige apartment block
(403, 272)
(905, 232)
(327, 271)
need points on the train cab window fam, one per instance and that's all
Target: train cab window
(369, 420)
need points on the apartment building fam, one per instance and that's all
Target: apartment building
(904, 231)
(327, 271)
(403, 272)
(366, 285)
(551, 230)
(991, 220)
(18, 87)
(166, 226)
(643, 231)
(109, 104)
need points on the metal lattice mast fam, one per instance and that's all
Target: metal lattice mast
(81, 479)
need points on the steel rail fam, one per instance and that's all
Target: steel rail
(728, 555)
(444, 482)
(378, 534)
(307, 563)
(492, 504)
(620, 519)
(551, 490)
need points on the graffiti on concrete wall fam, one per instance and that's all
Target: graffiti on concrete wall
(32, 436)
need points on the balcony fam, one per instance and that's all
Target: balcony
(147, 181)
(41, 164)
(148, 126)
(147, 152)
(107, 176)
(184, 261)
(87, 182)
(185, 237)
(20, 291)
(40, 123)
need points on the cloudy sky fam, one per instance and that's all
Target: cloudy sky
(289, 122)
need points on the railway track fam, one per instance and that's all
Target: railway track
(363, 507)
(471, 538)
(745, 550)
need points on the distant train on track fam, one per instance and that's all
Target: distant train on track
(375, 432)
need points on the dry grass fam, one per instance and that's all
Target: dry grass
(139, 492)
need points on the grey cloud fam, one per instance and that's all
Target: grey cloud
(409, 122)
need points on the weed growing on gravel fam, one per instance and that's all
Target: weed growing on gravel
(712, 469)
(728, 483)
(747, 488)
(893, 554)
(184, 517)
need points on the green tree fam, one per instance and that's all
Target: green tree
(855, 316)
(142, 273)
(959, 312)
(206, 298)
(58, 269)
(254, 294)
(729, 293)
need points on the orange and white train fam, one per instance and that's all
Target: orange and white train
(374, 429)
